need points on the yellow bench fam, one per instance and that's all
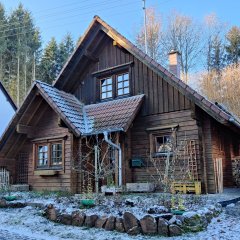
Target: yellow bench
(187, 187)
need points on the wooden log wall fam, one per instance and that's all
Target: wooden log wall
(160, 96)
(140, 140)
(47, 126)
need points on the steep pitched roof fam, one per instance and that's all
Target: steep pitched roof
(8, 96)
(212, 109)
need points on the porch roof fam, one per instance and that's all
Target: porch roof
(111, 116)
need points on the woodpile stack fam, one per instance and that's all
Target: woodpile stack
(236, 170)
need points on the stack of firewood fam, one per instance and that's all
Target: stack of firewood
(236, 170)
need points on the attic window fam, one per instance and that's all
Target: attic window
(106, 88)
(123, 84)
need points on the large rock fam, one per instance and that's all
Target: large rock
(3, 203)
(65, 219)
(51, 213)
(194, 222)
(90, 220)
(78, 218)
(110, 224)
(131, 224)
(101, 221)
(175, 230)
(148, 225)
(157, 209)
(162, 227)
(119, 225)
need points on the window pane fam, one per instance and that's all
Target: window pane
(109, 81)
(119, 78)
(120, 91)
(126, 90)
(163, 144)
(126, 84)
(104, 89)
(42, 156)
(103, 82)
(56, 154)
(120, 85)
(109, 88)
(104, 95)
(109, 94)
(125, 76)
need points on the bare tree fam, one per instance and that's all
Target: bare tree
(95, 161)
(224, 89)
(214, 50)
(154, 34)
(184, 35)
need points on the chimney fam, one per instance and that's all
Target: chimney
(174, 63)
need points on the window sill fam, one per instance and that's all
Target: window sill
(161, 154)
(46, 172)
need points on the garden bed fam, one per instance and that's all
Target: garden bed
(148, 214)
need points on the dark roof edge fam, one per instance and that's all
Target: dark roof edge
(10, 100)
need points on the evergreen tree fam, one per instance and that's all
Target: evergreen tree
(233, 46)
(65, 49)
(48, 67)
(22, 44)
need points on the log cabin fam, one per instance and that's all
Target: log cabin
(111, 92)
(7, 108)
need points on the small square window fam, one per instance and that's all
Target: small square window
(163, 144)
(123, 84)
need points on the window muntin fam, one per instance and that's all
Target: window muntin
(42, 160)
(163, 143)
(49, 155)
(106, 88)
(123, 84)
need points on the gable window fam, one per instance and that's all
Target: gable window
(49, 155)
(106, 88)
(123, 84)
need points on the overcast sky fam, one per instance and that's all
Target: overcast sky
(57, 17)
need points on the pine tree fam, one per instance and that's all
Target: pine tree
(48, 67)
(22, 43)
(233, 46)
(65, 49)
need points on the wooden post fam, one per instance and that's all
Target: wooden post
(96, 168)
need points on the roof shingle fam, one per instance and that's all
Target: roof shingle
(115, 115)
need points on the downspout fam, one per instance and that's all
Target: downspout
(119, 157)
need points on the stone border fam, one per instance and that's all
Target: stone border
(163, 225)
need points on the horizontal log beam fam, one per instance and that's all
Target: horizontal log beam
(24, 129)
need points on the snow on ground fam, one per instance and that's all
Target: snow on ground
(28, 224)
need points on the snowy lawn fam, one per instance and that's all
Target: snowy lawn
(29, 223)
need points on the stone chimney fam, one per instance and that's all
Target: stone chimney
(174, 63)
